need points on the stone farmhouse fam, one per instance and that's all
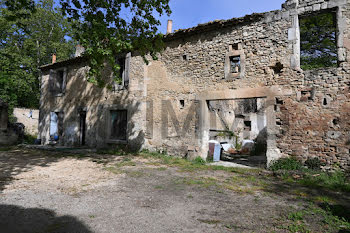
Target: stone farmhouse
(241, 78)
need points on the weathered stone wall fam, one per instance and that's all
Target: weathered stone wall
(193, 70)
(30, 121)
(82, 95)
(8, 135)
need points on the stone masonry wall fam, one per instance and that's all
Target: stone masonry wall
(22, 115)
(307, 111)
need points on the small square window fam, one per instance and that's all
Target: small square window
(118, 121)
(248, 125)
(235, 64)
(182, 104)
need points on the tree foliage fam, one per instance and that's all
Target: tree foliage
(318, 41)
(107, 28)
(29, 35)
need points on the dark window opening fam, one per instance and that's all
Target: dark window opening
(248, 125)
(82, 115)
(279, 101)
(250, 105)
(318, 42)
(278, 122)
(184, 57)
(325, 102)
(307, 95)
(182, 103)
(235, 46)
(118, 124)
(235, 64)
(59, 81)
(336, 121)
(121, 63)
(277, 69)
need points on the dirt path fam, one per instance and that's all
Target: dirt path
(45, 192)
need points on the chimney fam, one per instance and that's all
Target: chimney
(79, 50)
(170, 27)
(54, 58)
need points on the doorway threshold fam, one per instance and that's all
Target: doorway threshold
(230, 164)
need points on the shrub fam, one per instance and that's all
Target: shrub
(199, 160)
(313, 163)
(333, 180)
(289, 164)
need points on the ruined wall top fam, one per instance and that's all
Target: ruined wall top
(313, 4)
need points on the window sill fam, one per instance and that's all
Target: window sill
(232, 76)
(118, 88)
(58, 95)
(122, 142)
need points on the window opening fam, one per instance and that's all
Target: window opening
(235, 64)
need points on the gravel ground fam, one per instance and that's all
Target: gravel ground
(43, 192)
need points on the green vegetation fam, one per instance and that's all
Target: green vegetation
(28, 39)
(313, 163)
(209, 221)
(231, 134)
(332, 218)
(287, 164)
(106, 32)
(312, 176)
(336, 181)
(199, 160)
(29, 139)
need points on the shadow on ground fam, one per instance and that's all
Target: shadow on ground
(16, 161)
(15, 219)
(335, 202)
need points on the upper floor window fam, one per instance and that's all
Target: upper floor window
(235, 61)
(122, 80)
(57, 81)
(235, 64)
(318, 40)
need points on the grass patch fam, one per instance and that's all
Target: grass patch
(29, 139)
(135, 174)
(161, 168)
(185, 165)
(291, 171)
(113, 170)
(296, 216)
(336, 181)
(6, 148)
(204, 182)
(209, 221)
(126, 162)
(328, 217)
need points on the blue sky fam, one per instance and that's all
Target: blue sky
(189, 13)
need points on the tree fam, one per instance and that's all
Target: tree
(318, 41)
(29, 36)
(107, 28)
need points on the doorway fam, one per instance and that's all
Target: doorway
(240, 127)
(82, 117)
